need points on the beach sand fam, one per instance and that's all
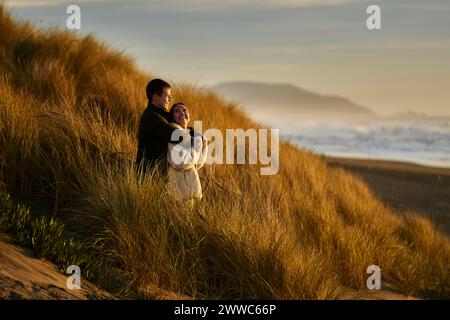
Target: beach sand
(23, 276)
(406, 186)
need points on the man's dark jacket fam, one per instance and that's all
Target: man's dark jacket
(154, 134)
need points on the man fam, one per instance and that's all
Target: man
(155, 131)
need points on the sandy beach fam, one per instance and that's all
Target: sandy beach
(406, 186)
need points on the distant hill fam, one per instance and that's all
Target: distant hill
(287, 98)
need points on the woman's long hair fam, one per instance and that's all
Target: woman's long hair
(172, 110)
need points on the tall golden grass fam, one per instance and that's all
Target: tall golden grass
(69, 108)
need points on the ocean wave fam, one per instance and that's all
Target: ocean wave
(416, 141)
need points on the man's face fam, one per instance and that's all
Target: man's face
(164, 100)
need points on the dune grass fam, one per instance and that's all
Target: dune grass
(69, 108)
(45, 235)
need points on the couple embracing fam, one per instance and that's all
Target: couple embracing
(165, 141)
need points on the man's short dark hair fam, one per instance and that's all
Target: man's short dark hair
(156, 86)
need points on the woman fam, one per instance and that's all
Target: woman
(185, 157)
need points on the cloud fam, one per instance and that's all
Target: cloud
(262, 2)
(194, 3)
(36, 3)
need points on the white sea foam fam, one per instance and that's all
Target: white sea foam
(422, 141)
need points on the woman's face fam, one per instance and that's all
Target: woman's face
(181, 115)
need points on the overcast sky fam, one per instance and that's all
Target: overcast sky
(320, 45)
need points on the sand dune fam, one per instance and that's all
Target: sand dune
(406, 186)
(22, 276)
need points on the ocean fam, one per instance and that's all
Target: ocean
(424, 141)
